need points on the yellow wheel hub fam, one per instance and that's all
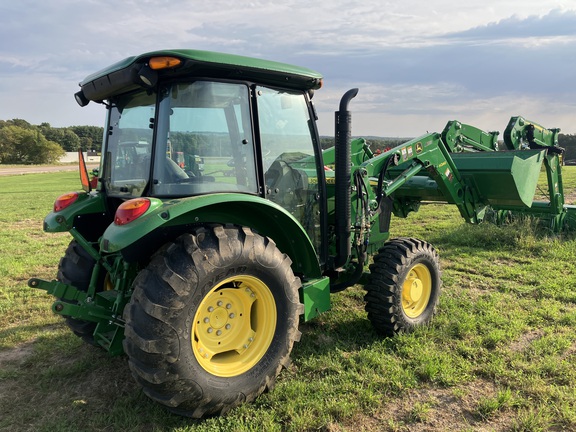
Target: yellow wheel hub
(234, 326)
(416, 290)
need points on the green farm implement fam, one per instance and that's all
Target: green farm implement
(217, 222)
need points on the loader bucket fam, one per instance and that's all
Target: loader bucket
(502, 179)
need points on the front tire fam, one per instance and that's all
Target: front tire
(212, 320)
(404, 286)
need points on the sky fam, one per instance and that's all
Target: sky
(417, 63)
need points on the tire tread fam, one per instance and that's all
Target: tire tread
(162, 292)
(383, 289)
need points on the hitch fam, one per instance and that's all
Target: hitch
(71, 302)
(74, 303)
(58, 289)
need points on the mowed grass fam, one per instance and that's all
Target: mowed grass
(499, 355)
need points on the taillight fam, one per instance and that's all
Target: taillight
(131, 210)
(64, 201)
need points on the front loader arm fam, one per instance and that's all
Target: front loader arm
(521, 134)
(429, 153)
(461, 137)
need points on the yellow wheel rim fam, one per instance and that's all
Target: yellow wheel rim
(108, 285)
(234, 326)
(416, 290)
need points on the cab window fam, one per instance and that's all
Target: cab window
(290, 168)
(208, 146)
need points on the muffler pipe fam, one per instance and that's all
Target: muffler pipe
(342, 136)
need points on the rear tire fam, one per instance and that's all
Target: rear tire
(212, 320)
(404, 286)
(75, 268)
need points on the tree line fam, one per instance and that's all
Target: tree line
(566, 141)
(25, 143)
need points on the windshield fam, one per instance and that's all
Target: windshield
(205, 143)
(129, 145)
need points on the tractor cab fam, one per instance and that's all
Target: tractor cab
(191, 135)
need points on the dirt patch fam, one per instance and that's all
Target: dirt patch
(16, 356)
(525, 340)
(35, 169)
(64, 387)
(570, 352)
(570, 198)
(436, 409)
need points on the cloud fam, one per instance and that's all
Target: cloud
(483, 75)
(465, 69)
(555, 24)
(411, 58)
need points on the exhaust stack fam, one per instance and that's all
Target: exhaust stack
(343, 133)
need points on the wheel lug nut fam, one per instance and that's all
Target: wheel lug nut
(219, 303)
(228, 306)
(210, 309)
(231, 315)
(210, 330)
(219, 332)
(228, 326)
(206, 320)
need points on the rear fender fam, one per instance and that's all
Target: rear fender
(166, 220)
(66, 219)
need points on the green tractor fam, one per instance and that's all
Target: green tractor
(217, 222)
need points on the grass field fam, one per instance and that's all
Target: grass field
(499, 355)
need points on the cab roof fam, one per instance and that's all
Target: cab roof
(120, 77)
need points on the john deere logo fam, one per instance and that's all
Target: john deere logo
(418, 147)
